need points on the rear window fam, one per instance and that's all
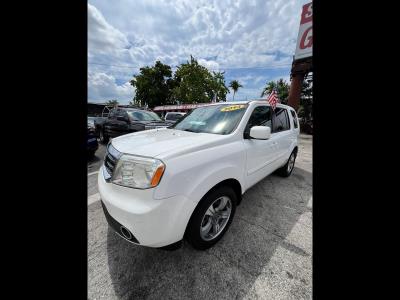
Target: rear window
(294, 119)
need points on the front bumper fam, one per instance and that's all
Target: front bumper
(152, 222)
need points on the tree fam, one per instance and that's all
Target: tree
(193, 83)
(153, 85)
(218, 86)
(112, 102)
(235, 85)
(282, 88)
(306, 101)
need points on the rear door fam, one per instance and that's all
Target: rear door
(282, 132)
(109, 123)
(121, 122)
(261, 154)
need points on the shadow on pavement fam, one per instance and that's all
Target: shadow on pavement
(93, 159)
(264, 219)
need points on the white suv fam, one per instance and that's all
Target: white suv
(159, 186)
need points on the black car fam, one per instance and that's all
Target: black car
(124, 120)
(92, 144)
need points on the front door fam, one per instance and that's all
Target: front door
(261, 154)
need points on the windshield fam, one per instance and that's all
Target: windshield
(173, 117)
(143, 116)
(218, 119)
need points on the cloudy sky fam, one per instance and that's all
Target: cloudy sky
(253, 41)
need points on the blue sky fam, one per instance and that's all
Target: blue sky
(253, 41)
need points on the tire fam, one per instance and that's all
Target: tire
(202, 218)
(103, 137)
(287, 169)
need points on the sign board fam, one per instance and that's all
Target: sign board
(305, 38)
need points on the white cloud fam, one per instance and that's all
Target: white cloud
(103, 87)
(209, 64)
(102, 37)
(221, 34)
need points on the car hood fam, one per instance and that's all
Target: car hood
(164, 142)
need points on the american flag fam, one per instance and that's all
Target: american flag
(273, 98)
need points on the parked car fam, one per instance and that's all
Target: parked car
(121, 121)
(92, 144)
(160, 186)
(91, 122)
(172, 117)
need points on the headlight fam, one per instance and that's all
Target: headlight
(138, 172)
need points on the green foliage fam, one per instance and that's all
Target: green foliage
(193, 83)
(306, 101)
(235, 85)
(112, 102)
(282, 88)
(153, 85)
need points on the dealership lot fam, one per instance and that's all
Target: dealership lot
(266, 253)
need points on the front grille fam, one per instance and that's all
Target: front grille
(111, 159)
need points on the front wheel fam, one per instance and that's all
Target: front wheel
(211, 218)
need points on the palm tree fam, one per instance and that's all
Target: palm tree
(112, 103)
(282, 88)
(235, 85)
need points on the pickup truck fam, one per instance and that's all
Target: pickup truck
(160, 186)
(121, 121)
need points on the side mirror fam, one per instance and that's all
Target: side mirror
(260, 132)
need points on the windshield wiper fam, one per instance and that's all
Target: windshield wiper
(190, 130)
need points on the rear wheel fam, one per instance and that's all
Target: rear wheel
(103, 137)
(287, 169)
(211, 218)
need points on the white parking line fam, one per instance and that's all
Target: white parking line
(90, 174)
(93, 198)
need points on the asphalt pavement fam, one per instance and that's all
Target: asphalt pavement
(265, 254)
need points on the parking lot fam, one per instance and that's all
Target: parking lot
(266, 253)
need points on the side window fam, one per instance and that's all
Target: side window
(281, 120)
(112, 113)
(261, 116)
(296, 125)
(123, 113)
(137, 116)
(118, 113)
